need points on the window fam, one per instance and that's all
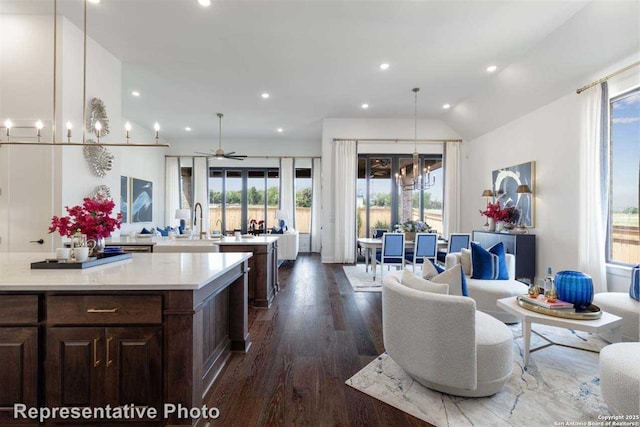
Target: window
(303, 190)
(237, 196)
(624, 224)
(382, 203)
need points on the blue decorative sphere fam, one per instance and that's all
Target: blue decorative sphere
(575, 287)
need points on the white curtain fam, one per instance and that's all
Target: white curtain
(316, 207)
(345, 166)
(172, 190)
(287, 197)
(451, 163)
(200, 190)
(593, 204)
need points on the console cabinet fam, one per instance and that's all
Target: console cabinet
(522, 246)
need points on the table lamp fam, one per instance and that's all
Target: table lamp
(182, 215)
(522, 189)
(283, 216)
(487, 194)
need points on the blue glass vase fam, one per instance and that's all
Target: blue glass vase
(575, 287)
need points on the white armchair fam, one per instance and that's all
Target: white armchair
(442, 342)
(486, 293)
(288, 245)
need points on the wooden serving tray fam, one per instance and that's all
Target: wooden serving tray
(593, 312)
(105, 258)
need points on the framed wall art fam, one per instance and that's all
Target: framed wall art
(505, 189)
(141, 200)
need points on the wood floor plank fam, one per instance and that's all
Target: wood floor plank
(316, 335)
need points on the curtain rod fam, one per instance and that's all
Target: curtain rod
(607, 77)
(395, 140)
(252, 157)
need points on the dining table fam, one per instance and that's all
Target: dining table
(370, 245)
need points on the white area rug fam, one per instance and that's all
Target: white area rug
(559, 385)
(362, 281)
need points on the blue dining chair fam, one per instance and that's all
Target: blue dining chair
(392, 252)
(425, 246)
(457, 241)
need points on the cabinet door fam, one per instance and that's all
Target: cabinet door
(18, 369)
(133, 367)
(75, 366)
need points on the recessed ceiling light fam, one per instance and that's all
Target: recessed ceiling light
(204, 3)
(384, 66)
(94, 1)
(364, 106)
(491, 68)
(135, 93)
(446, 106)
(280, 130)
(188, 129)
(265, 95)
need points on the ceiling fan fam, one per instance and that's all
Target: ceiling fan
(219, 153)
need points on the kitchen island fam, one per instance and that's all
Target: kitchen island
(149, 331)
(263, 266)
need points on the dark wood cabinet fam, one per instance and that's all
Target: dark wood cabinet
(75, 367)
(263, 269)
(19, 360)
(95, 366)
(522, 246)
(18, 370)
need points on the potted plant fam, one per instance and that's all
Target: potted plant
(411, 227)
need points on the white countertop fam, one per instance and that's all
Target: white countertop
(145, 271)
(257, 240)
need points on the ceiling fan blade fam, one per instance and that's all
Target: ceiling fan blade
(233, 158)
(239, 156)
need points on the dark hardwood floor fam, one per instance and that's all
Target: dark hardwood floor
(315, 336)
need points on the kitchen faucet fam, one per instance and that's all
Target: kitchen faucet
(195, 219)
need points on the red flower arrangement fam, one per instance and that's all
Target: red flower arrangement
(92, 218)
(494, 211)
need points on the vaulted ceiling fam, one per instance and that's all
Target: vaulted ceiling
(320, 59)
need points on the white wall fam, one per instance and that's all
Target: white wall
(549, 136)
(276, 147)
(369, 129)
(26, 88)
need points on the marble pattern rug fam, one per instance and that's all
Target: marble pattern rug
(559, 385)
(361, 280)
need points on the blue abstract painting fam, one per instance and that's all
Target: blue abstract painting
(142, 197)
(505, 184)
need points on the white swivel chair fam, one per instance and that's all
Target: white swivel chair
(392, 252)
(442, 342)
(424, 247)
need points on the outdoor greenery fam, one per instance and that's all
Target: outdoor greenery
(384, 200)
(630, 210)
(256, 197)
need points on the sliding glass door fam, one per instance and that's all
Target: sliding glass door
(384, 200)
(238, 196)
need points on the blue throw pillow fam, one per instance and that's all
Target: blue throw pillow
(634, 289)
(489, 264)
(277, 230)
(145, 231)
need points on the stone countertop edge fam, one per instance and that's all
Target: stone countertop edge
(196, 270)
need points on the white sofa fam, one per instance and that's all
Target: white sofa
(288, 245)
(486, 292)
(621, 304)
(443, 342)
(620, 377)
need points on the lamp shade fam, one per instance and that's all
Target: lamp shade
(487, 193)
(282, 214)
(183, 213)
(523, 189)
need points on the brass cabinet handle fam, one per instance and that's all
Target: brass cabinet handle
(96, 361)
(109, 361)
(102, 310)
